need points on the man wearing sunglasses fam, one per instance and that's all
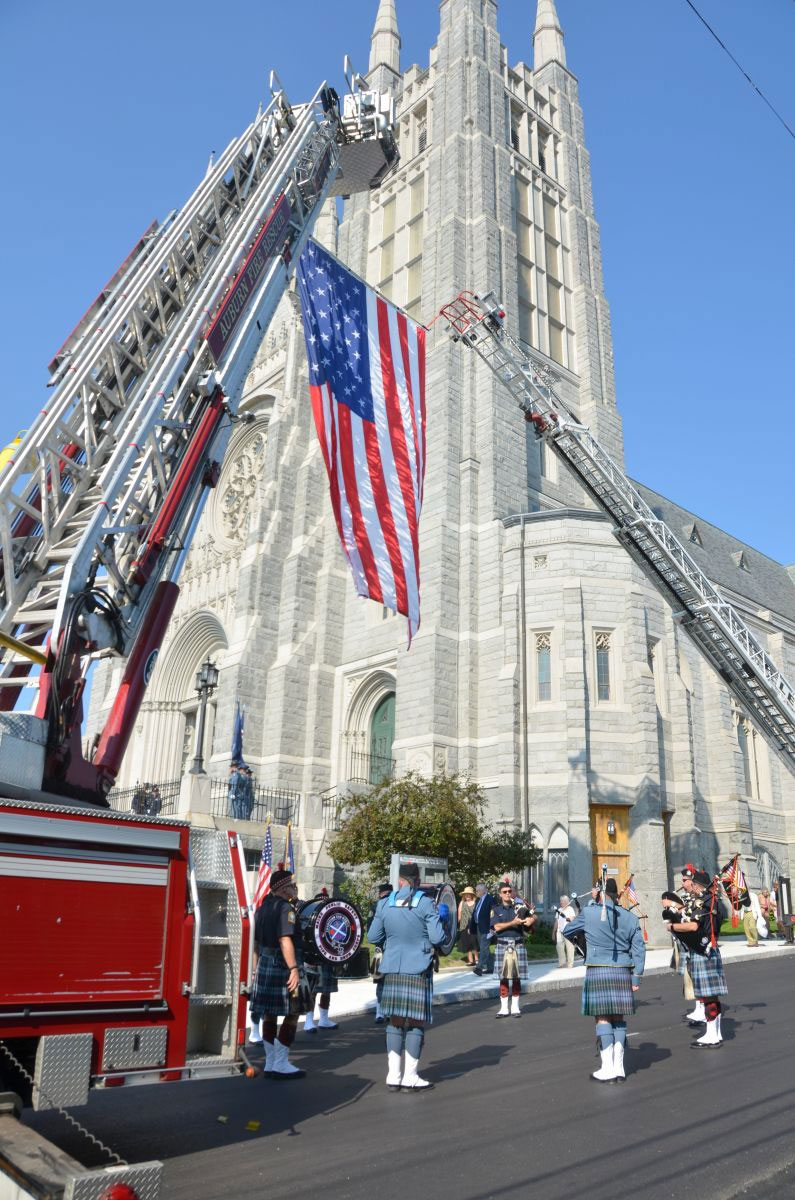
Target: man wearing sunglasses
(510, 960)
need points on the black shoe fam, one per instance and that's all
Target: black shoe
(497, 1016)
(477, 971)
(516, 1014)
(706, 1045)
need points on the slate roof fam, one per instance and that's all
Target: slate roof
(766, 583)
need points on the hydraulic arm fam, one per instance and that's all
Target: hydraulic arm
(101, 496)
(714, 625)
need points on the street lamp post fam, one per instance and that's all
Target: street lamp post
(206, 683)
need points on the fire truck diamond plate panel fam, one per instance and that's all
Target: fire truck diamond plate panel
(63, 1069)
(143, 1178)
(125, 1049)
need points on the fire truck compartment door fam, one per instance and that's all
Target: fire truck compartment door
(83, 908)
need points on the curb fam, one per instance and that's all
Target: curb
(487, 991)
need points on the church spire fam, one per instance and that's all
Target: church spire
(548, 37)
(385, 40)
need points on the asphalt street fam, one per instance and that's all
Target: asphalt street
(513, 1113)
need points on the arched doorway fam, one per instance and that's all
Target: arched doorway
(382, 735)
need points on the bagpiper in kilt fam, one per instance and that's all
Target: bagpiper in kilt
(691, 912)
(701, 931)
(323, 982)
(406, 925)
(278, 990)
(615, 958)
(510, 921)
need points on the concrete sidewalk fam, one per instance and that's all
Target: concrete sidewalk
(455, 984)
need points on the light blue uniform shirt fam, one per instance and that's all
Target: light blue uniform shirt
(407, 935)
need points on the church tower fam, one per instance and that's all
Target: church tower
(546, 667)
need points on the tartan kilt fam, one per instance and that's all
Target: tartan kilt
(269, 995)
(707, 975)
(521, 960)
(326, 979)
(409, 996)
(607, 992)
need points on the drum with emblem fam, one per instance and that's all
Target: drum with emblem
(331, 932)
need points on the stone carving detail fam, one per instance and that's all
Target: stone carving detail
(420, 763)
(240, 485)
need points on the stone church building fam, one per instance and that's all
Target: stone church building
(546, 666)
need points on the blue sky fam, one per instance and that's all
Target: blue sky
(110, 113)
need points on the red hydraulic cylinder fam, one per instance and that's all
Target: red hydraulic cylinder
(140, 664)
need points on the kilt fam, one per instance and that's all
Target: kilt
(269, 995)
(409, 996)
(607, 992)
(707, 975)
(521, 959)
(326, 979)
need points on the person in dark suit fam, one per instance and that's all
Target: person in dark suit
(480, 924)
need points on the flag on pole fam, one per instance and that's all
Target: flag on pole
(237, 734)
(630, 893)
(264, 873)
(367, 383)
(733, 879)
(289, 858)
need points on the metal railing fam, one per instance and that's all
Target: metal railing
(147, 799)
(255, 804)
(333, 806)
(369, 768)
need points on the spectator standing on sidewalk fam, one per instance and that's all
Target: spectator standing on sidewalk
(480, 925)
(565, 949)
(467, 941)
(768, 907)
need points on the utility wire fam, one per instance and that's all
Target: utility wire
(741, 69)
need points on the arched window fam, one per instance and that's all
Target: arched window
(382, 735)
(557, 865)
(536, 874)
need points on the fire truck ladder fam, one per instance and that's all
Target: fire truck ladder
(137, 377)
(714, 624)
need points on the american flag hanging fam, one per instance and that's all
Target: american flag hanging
(630, 893)
(264, 873)
(367, 382)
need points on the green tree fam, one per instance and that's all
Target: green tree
(438, 817)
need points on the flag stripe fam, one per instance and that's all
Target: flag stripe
(405, 352)
(404, 439)
(350, 463)
(397, 472)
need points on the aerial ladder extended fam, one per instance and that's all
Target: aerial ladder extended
(100, 497)
(712, 622)
(146, 920)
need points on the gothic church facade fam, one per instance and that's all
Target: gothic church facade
(546, 667)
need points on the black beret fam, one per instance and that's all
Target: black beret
(409, 870)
